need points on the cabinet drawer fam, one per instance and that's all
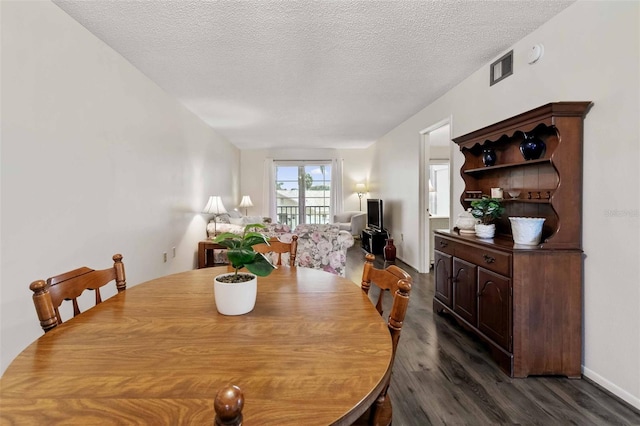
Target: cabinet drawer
(444, 245)
(492, 260)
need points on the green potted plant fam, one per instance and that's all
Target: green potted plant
(487, 210)
(236, 292)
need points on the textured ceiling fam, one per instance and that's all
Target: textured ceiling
(317, 74)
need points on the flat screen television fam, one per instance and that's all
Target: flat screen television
(374, 214)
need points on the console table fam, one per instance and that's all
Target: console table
(206, 256)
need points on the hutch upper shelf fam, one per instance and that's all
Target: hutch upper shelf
(550, 186)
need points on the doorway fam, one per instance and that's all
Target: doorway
(435, 187)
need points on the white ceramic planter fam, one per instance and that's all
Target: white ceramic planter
(485, 231)
(235, 298)
(526, 230)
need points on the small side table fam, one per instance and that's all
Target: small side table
(206, 256)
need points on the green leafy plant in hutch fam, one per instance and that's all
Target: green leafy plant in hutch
(487, 209)
(241, 254)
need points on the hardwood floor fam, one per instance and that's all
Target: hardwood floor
(444, 376)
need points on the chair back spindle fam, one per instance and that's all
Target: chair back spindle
(279, 247)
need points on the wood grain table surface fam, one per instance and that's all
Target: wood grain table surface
(314, 351)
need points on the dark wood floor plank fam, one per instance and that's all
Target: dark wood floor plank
(444, 376)
(586, 403)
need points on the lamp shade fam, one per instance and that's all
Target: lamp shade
(214, 206)
(360, 187)
(246, 201)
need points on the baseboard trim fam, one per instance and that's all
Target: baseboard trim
(611, 388)
(406, 265)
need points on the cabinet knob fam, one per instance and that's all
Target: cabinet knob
(443, 243)
(488, 259)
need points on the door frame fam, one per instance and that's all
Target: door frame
(424, 231)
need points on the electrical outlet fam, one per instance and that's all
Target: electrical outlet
(173, 250)
(164, 257)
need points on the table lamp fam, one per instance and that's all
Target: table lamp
(246, 202)
(216, 208)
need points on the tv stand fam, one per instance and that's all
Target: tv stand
(373, 240)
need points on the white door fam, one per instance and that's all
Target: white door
(439, 200)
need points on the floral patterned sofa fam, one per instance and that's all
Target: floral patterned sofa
(323, 247)
(235, 222)
(319, 246)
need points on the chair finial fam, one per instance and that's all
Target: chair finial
(228, 406)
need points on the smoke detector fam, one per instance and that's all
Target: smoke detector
(535, 53)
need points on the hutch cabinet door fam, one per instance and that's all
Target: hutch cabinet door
(494, 307)
(442, 275)
(464, 290)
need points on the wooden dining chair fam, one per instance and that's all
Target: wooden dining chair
(278, 247)
(49, 295)
(228, 405)
(398, 283)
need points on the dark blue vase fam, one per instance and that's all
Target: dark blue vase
(488, 157)
(532, 147)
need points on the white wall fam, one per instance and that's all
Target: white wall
(357, 164)
(356, 168)
(439, 143)
(592, 53)
(96, 160)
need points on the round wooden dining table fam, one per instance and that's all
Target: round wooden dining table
(314, 351)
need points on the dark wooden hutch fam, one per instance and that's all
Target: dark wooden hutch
(525, 303)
